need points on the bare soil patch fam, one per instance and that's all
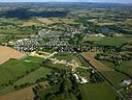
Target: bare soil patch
(7, 53)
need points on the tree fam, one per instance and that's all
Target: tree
(65, 88)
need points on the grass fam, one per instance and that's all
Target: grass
(19, 72)
(15, 69)
(100, 91)
(109, 64)
(108, 41)
(33, 76)
(83, 72)
(68, 57)
(64, 56)
(84, 63)
(113, 76)
(126, 66)
(16, 31)
(112, 41)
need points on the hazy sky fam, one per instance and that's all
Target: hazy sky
(113, 1)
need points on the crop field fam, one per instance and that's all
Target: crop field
(102, 91)
(29, 23)
(108, 41)
(24, 94)
(90, 91)
(14, 70)
(97, 64)
(50, 21)
(106, 70)
(115, 77)
(28, 70)
(126, 66)
(32, 77)
(80, 51)
(68, 57)
(7, 53)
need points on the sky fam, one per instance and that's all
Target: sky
(107, 1)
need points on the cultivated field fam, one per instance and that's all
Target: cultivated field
(108, 72)
(97, 64)
(24, 94)
(7, 53)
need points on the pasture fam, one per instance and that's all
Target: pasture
(115, 41)
(126, 66)
(13, 70)
(106, 70)
(100, 91)
(116, 77)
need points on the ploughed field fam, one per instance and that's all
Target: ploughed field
(7, 53)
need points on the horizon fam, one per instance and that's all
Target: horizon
(68, 1)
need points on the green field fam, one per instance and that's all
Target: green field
(113, 76)
(108, 41)
(83, 72)
(32, 77)
(69, 57)
(28, 70)
(126, 66)
(13, 69)
(99, 91)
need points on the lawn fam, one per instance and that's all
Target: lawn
(97, 91)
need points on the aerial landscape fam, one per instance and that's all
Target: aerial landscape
(68, 50)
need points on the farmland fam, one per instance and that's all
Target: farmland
(105, 91)
(8, 53)
(115, 41)
(80, 51)
(114, 77)
(14, 70)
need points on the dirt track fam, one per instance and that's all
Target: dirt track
(7, 53)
